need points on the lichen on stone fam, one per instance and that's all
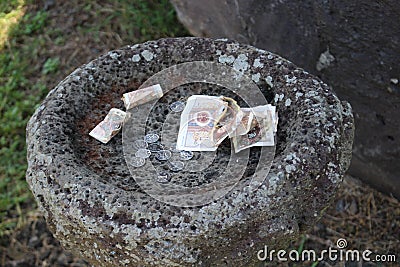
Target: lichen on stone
(257, 63)
(135, 58)
(268, 79)
(94, 206)
(241, 63)
(147, 55)
(226, 59)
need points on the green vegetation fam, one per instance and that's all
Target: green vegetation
(138, 20)
(31, 64)
(51, 65)
(7, 6)
(33, 23)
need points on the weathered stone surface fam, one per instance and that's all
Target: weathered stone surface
(353, 46)
(96, 210)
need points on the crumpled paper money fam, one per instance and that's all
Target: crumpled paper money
(229, 121)
(245, 124)
(110, 126)
(139, 97)
(262, 129)
(207, 120)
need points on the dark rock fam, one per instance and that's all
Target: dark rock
(353, 46)
(95, 208)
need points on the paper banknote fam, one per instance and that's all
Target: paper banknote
(245, 124)
(273, 115)
(110, 126)
(229, 121)
(207, 120)
(198, 123)
(262, 129)
(139, 97)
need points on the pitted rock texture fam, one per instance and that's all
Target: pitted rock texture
(353, 46)
(96, 210)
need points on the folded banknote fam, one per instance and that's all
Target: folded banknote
(110, 126)
(139, 97)
(262, 129)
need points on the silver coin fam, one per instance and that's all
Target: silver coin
(143, 153)
(155, 147)
(176, 166)
(177, 106)
(186, 155)
(138, 144)
(151, 138)
(163, 177)
(137, 162)
(163, 155)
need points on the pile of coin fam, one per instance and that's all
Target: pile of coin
(150, 147)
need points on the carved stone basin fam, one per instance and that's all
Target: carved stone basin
(97, 210)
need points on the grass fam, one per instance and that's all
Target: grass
(10, 13)
(31, 63)
(16, 106)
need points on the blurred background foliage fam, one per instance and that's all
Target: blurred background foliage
(40, 43)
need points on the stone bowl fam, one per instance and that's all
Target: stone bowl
(95, 208)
